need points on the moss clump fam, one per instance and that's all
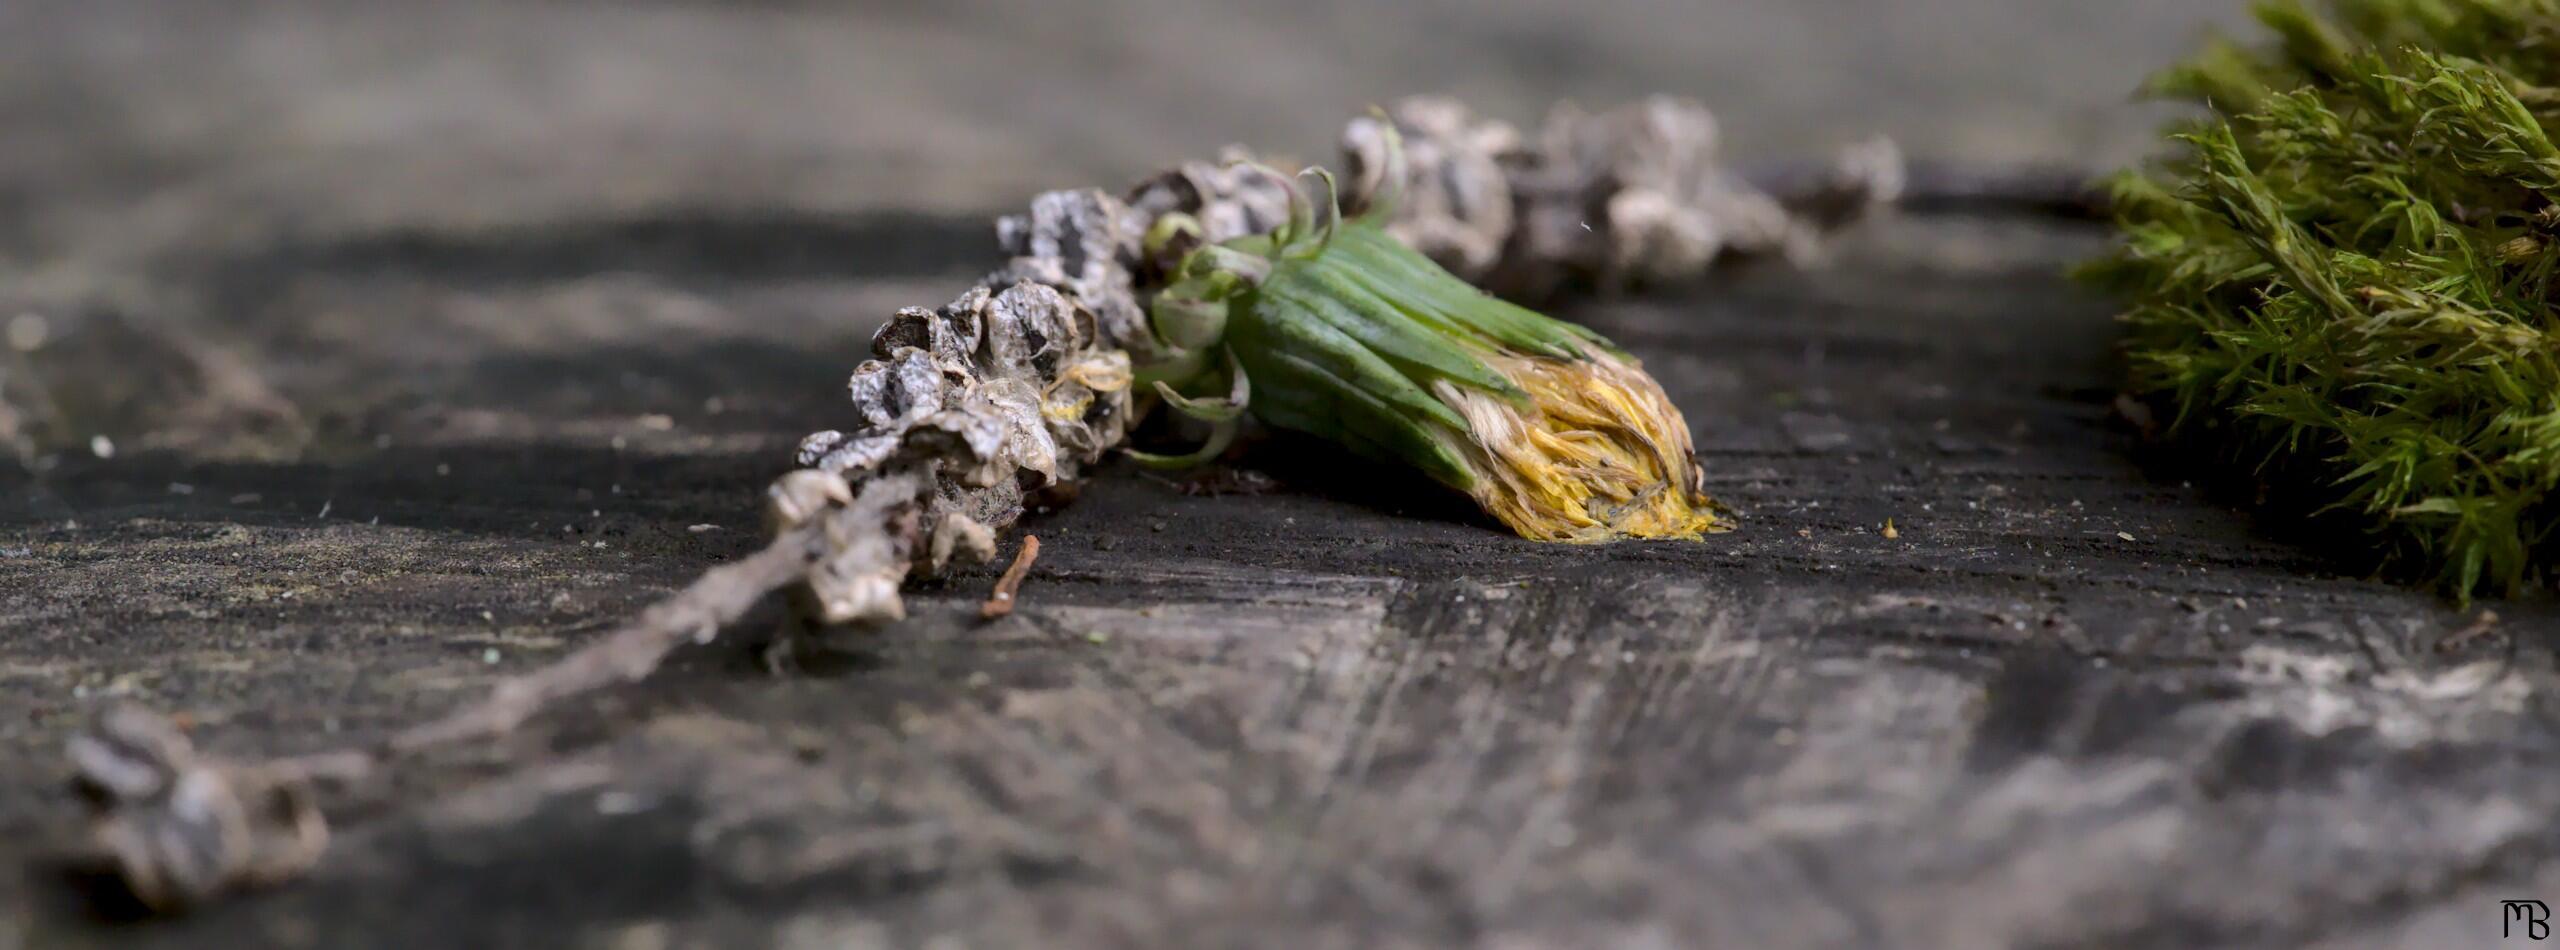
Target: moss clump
(2344, 278)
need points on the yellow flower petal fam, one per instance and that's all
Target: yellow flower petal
(1600, 454)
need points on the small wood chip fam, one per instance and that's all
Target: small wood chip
(1000, 603)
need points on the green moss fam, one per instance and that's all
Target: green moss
(2345, 276)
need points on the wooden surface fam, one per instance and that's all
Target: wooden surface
(429, 344)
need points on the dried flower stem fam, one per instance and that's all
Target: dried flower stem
(1020, 382)
(695, 614)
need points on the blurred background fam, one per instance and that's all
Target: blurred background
(214, 119)
(311, 223)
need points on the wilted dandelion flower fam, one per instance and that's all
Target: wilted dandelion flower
(1333, 328)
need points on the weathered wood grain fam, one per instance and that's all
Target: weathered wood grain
(2072, 702)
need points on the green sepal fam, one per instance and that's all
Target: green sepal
(1419, 351)
(1225, 417)
(1301, 396)
(1390, 269)
(1185, 320)
(1271, 324)
(1239, 395)
(1222, 436)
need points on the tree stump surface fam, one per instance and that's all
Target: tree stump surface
(428, 344)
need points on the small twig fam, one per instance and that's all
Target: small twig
(1000, 603)
(2480, 627)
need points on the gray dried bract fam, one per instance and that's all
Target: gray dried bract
(1638, 194)
(992, 431)
(1861, 178)
(1019, 382)
(869, 546)
(1084, 243)
(800, 496)
(929, 398)
(958, 536)
(179, 829)
(949, 335)
(1632, 196)
(1087, 405)
(837, 452)
(1031, 329)
(1456, 206)
(1229, 198)
(894, 393)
